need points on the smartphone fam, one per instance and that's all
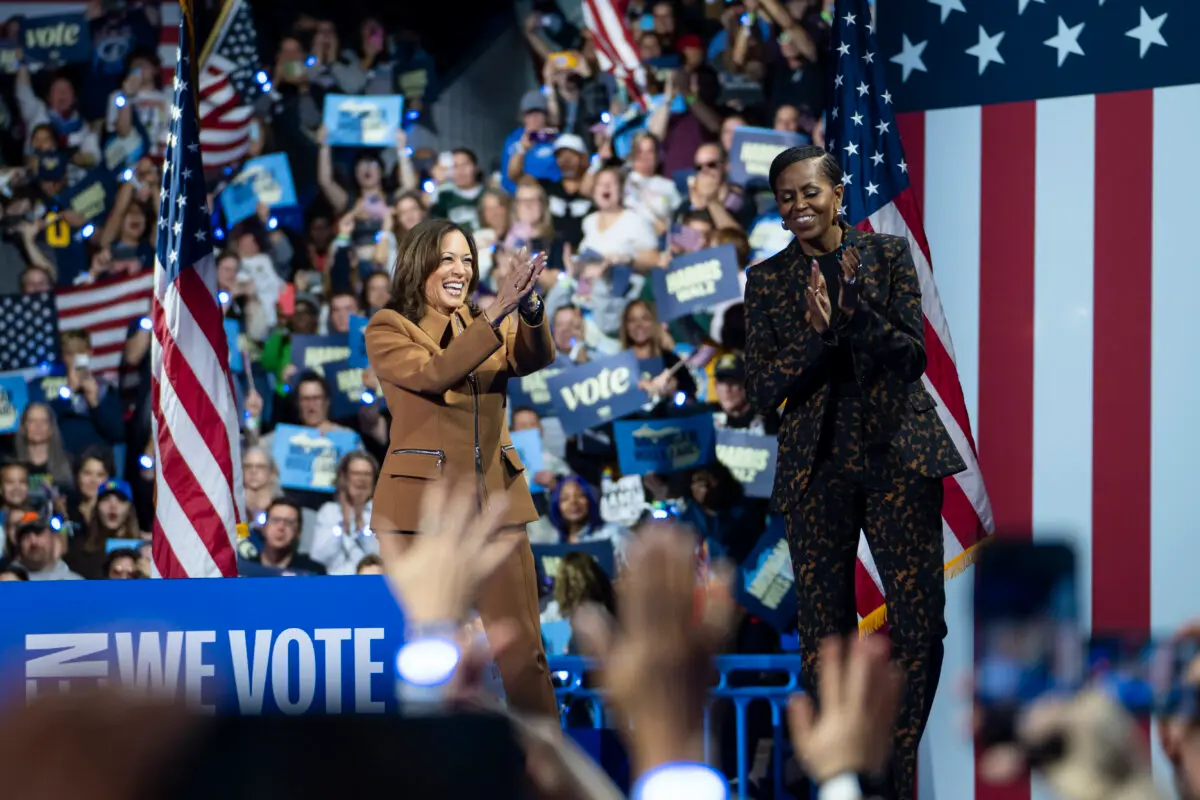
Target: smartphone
(544, 136)
(564, 60)
(1143, 675)
(1027, 637)
(82, 362)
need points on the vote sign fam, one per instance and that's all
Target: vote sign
(322, 645)
(598, 392)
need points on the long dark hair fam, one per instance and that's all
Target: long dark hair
(418, 255)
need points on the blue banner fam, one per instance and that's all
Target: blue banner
(533, 391)
(664, 445)
(344, 382)
(358, 341)
(696, 281)
(766, 582)
(753, 150)
(325, 645)
(14, 396)
(10, 51)
(547, 557)
(308, 459)
(313, 352)
(650, 368)
(362, 120)
(598, 392)
(529, 448)
(233, 335)
(92, 196)
(45, 387)
(265, 180)
(751, 458)
(57, 39)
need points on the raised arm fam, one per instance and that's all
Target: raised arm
(775, 368)
(399, 360)
(897, 339)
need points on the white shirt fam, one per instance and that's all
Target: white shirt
(340, 550)
(629, 235)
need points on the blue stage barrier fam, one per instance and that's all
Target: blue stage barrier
(784, 671)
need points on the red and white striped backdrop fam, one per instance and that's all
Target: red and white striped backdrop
(1062, 243)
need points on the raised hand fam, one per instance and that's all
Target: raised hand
(519, 282)
(816, 296)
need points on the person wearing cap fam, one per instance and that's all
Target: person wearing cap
(527, 149)
(568, 202)
(39, 549)
(114, 518)
(735, 411)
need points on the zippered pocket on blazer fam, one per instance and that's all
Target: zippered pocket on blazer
(413, 462)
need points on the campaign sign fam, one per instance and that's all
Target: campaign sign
(10, 56)
(766, 583)
(556, 636)
(308, 459)
(533, 391)
(57, 38)
(753, 150)
(358, 341)
(362, 120)
(696, 282)
(266, 180)
(92, 197)
(664, 445)
(344, 383)
(238, 647)
(529, 447)
(751, 459)
(45, 387)
(598, 392)
(233, 335)
(547, 557)
(313, 352)
(649, 368)
(14, 396)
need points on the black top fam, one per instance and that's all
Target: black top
(841, 365)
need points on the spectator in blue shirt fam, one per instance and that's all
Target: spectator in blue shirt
(539, 155)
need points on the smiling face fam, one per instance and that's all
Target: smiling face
(447, 287)
(607, 192)
(639, 324)
(573, 504)
(808, 200)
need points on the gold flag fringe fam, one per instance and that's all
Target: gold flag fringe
(954, 567)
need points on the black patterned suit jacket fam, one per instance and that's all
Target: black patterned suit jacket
(786, 360)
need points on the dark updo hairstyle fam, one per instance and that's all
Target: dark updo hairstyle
(828, 166)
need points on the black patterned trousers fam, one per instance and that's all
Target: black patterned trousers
(855, 487)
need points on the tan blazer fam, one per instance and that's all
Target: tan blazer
(445, 384)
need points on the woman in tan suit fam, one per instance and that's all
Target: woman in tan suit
(444, 367)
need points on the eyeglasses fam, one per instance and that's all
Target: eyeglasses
(708, 165)
(294, 524)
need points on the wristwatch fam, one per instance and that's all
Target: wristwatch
(531, 306)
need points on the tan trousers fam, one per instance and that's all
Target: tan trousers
(510, 594)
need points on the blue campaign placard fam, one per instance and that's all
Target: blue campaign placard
(752, 151)
(233, 335)
(665, 445)
(266, 180)
(696, 282)
(56, 39)
(597, 392)
(241, 646)
(766, 582)
(14, 396)
(308, 459)
(650, 367)
(547, 557)
(529, 448)
(533, 391)
(751, 458)
(344, 382)
(313, 351)
(358, 341)
(362, 120)
(92, 196)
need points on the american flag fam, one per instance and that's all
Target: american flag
(29, 335)
(1052, 146)
(616, 49)
(200, 507)
(228, 86)
(862, 133)
(106, 309)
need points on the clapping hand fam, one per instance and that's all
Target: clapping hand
(816, 296)
(851, 281)
(519, 282)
